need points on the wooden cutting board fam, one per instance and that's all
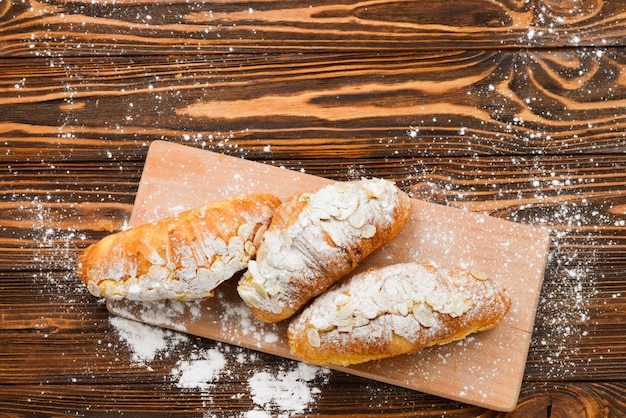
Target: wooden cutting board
(486, 369)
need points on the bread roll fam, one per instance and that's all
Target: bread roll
(395, 310)
(180, 257)
(317, 238)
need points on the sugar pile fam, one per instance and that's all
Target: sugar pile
(289, 390)
(200, 369)
(144, 341)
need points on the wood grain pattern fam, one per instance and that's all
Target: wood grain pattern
(454, 103)
(574, 339)
(510, 108)
(579, 399)
(86, 28)
(585, 252)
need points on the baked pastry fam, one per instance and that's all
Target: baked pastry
(180, 257)
(393, 310)
(317, 238)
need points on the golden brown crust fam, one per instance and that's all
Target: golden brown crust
(395, 310)
(180, 257)
(317, 238)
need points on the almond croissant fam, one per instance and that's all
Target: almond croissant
(180, 257)
(393, 310)
(317, 238)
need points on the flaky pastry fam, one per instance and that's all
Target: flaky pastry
(318, 237)
(185, 256)
(393, 310)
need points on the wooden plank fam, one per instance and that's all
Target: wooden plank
(44, 315)
(70, 28)
(365, 106)
(487, 371)
(52, 205)
(572, 399)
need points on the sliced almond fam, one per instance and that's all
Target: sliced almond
(368, 231)
(258, 287)
(480, 275)
(313, 337)
(358, 219)
(424, 315)
(249, 296)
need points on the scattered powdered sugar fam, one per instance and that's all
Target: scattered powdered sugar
(289, 391)
(247, 325)
(348, 214)
(566, 309)
(565, 318)
(169, 312)
(197, 370)
(145, 341)
(200, 369)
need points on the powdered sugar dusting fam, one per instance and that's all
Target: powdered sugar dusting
(565, 318)
(290, 390)
(280, 280)
(169, 312)
(200, 369)
(413, 300)
(287, 391)
(145, 341)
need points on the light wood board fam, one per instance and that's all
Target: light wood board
(485, 369)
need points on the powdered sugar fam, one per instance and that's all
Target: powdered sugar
(168, 312)
(288, 391)
(145, 341)
(329, 229)
(415, 301)
(199, 370)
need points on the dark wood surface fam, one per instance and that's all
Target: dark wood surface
(515, 109)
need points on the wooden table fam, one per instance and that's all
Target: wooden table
(515, 109)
